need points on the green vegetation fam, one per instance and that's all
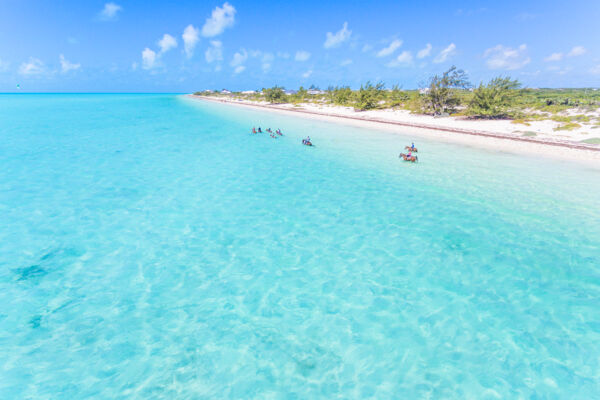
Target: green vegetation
(494, 100)
(442, 94)
(449, 94)
(569, 126)
(591, 141)
(368, 96)
(275, 95)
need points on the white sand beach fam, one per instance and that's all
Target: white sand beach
(538, 139)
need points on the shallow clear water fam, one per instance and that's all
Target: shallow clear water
(150, 248)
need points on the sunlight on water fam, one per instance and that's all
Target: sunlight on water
(150, 247)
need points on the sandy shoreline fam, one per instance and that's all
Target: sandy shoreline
(588, 154)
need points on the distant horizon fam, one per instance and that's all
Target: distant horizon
(258, 90)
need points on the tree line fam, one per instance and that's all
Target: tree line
(443, 94)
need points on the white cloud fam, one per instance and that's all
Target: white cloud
(386, 51)
(283, 55)
(425, 51)
(221, 19)
(3, 65)
(110, 11)
(148, 58)
(524, 16)
(307, 74)
(239, 58)
(558, 70)
(404, 59)
(302, 55)
(267, 59)
(595, 70)
(346, 62)
(238, 69)
(445, 54)
(501, 57)
(214, 52)
(134, 66)
(66, 66)
(577, 51)
(32, 67)
(167, 43)
(554, 57)
(366, 48)
(190, 39)
(335, 39)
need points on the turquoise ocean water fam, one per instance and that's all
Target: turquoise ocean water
(151, 248)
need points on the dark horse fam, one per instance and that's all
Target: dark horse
(409, 148)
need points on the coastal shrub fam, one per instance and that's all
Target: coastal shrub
(341, 95)
(569, 126)
(520, 121)
(441, 95)
(300, 96)
(274, 95)
(496, 99)
(369, 95)
(396, 97)
(591, 141)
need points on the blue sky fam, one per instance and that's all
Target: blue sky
(182, 46)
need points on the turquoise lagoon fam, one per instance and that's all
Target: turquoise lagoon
(151, 248)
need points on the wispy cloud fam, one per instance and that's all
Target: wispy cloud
(525, 16)
(32, 67)
(404, 59)
(302, 55)
(148, 58)
(221, 19)
(239, 58)
(577, 51)
(424, 52)
(307, 74)
(558, 70)
(336, 39)
(67, 66)
(502, 57)
(346, 62)
(214, 52)
(595, 70)
(554, 57)
(266, 61)
(445, 54)
(190, 37)
(284, 55)
(167, 43)
(239, 69)
(4, 65)
(110, 12)
(367, 47)
(386, 51)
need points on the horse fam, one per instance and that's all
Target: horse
(409, 148)
(306, 142)
(407, 158)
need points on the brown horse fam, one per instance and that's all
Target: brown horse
(407, 158)
(413, 149)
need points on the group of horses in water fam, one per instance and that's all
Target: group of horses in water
(307, 142)
(409, 156)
